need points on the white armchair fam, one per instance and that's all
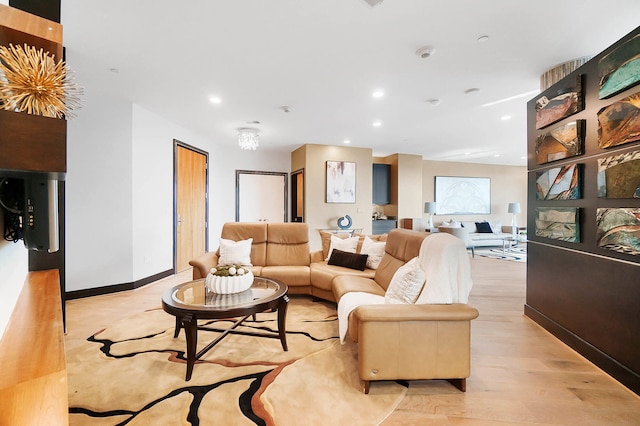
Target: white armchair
(461, 233)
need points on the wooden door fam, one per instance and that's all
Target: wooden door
(190, 205)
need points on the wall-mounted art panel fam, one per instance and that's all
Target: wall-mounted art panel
(341, 182)
(559, 103)
(560, 183)
(561, 142)
(619, 176)
(558, 223)
(619, 230)
(619, 123)
(462, 195)
(620, 69)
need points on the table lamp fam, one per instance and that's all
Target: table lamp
(430, 207)
(514, 208)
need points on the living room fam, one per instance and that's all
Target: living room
(119, 214)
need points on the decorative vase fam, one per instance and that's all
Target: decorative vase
(228, 285)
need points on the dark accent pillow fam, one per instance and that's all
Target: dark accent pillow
(484, 228)
(348, 260)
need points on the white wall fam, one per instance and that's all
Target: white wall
(99, 241)
(119, 189)
(14, 263)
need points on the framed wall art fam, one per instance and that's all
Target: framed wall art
(617, 230)
(462, 195)
(559, 103)
(619, 176)
(619, 123)
(558, 223)
(341, 182)
(561, 142)
(560, 183)
(619, 69)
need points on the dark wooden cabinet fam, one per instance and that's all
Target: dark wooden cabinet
(381, 184)
(32, 143)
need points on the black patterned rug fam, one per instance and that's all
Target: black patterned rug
(516, 254)
(133, 373)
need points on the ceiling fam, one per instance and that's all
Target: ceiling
(324, 58)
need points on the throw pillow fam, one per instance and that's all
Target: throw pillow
(483, 227)
(496, 227)
(348, 260)
(325, 237)
(375, 251)
(406, 284)
(235, 252)
(344, 244)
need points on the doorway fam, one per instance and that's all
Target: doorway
(191, 207)
(261, 196)
(297, 196)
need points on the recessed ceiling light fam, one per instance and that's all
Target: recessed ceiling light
(215, 99)
(505, 117)
(471, 90)
(377, 123)
(377, 94)
(114, 70)
(497, 155)
(467, 153)
(483, 38)
(434, 102)
(346, 141)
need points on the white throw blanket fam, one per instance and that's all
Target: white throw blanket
(445, 261)
(348, 302)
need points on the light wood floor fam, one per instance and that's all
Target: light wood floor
(520, 373)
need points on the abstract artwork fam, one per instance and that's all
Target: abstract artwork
(619, 123)
(619, 230)
(558, 223)
(462, 195)
(560, 183)
(561, 142)
(341, 182)
(561, 103)
(620, 69)
(619, 176)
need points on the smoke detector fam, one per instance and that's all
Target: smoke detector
(425, 52)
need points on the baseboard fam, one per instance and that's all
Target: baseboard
(624, 375)
(115, 288)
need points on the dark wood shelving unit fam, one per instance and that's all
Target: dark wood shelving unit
(32, 143)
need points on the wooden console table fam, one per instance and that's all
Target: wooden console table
(33, 378)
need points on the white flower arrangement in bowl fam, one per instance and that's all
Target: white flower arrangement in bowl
(229, 279)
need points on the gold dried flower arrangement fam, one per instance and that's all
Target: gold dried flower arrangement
(32, 82)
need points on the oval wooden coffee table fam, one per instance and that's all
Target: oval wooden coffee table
(190, 302)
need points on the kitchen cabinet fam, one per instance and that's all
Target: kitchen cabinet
(382, 226)
(381, 184)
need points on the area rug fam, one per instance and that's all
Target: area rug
(133, 373)
(516, 254)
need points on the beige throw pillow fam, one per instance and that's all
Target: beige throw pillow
(375, 250)
(345, 244)
(406, 284)
(235, 252)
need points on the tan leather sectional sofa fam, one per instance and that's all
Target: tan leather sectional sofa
(395, 341)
